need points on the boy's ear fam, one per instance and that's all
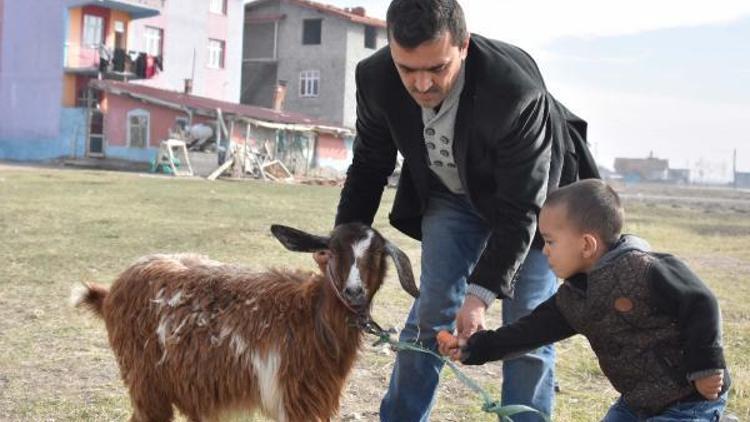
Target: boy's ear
(590, 245)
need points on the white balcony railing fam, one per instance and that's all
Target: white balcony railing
(81, 57)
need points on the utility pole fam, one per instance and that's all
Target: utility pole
(734, 168)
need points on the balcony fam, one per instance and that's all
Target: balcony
(136, 8)
(118, 64)
(81, 58)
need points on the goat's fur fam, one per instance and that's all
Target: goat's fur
(211, 338)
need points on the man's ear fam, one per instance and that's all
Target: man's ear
(591, 245)
(464, 48)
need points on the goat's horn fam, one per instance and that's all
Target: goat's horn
(403, 266)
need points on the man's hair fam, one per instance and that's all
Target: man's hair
(591, 206)
(413, 22)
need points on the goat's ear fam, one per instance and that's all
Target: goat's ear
(403, 267)
(297, 240)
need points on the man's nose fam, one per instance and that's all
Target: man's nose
(423, 82)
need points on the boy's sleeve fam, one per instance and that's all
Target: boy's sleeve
(542, 326)
(683, 295)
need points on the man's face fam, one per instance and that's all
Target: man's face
(563, 244)
(429, 71)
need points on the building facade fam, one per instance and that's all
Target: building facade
(301, 56)
(300, 142)
(51, 50)
(201, 42)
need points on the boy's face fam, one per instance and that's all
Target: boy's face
(564, 245)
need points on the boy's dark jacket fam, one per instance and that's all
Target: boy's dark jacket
(512, 141)
(651, 322)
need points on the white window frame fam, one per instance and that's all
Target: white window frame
(218, 7)
(93, 30)
(309, 83)
(139, 112)
(216, 53)
(152, 40)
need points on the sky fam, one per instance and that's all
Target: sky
(664, 77)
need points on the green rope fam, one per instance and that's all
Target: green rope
(490, 406)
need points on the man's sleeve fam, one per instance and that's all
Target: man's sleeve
(374, 159)
(544, 325)
(521, 176)
(684, 296)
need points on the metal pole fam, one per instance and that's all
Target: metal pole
(734, 168)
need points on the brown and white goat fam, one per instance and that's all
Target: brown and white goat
(211, 338)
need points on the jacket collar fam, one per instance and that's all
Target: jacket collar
(626, 243)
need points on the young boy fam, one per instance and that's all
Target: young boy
(653, 325)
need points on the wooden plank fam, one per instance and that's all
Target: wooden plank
(222, 168)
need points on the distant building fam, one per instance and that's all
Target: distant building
(607, 174)
(201, 41)
(301, 56)
(680, 176)
(642, 169)
(50, 51)
(649, 169)
(742, 180)
(300, 142)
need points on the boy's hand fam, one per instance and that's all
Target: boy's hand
(449, 345)
(710, 386)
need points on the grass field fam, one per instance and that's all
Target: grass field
(58, 227)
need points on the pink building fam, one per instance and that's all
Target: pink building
(302, 143)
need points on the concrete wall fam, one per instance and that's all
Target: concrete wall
(68, 140)
(258, 83)
(328, 57)
(259, 78)
(341, 48)
(355, 52)
(161, 119)
(187, 26)
(333, 153)
(31, 59)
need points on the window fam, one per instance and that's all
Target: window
(138, 128)
(311, 29)
(93, 30)
(309, 83)
(371, 37)
(215, 54)
(218, 6)
(152, 37)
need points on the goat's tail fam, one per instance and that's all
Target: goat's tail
(90, 296)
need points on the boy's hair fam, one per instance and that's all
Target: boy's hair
(591, 206)
(413, 22)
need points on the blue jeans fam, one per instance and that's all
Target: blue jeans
(453, 238)
(698, 411)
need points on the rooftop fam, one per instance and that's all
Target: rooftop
(210, 106)
(352, 14)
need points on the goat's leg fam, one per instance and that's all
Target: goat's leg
(150, 405)
(152, 414)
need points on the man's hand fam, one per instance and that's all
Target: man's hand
(470, 318)
(710, 386)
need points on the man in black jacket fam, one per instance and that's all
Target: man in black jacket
(483, 141)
